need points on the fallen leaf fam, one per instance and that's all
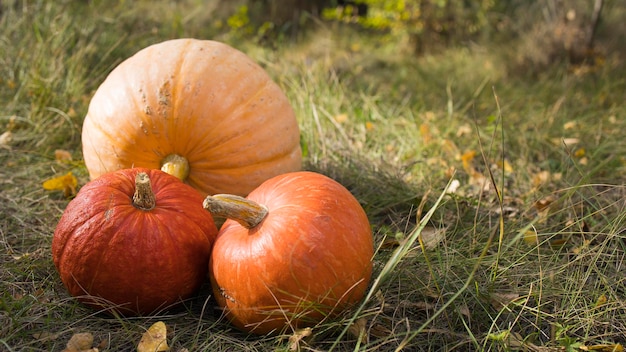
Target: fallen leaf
(358, 328)
(530, 237)
(80, 342)
(425, 133)
(45, 336)
(603, 348)
(543, 203)
(450, 148)
(71, 112)
(569, 125)
(155, 339)
(395, 241)
(466, 159)
(601, 300)
(541, 178)
(431, 236)
(464, 309)
(66, 183)
(62, 156)
(501, 300)
(499, 336)
(297, 337)
(463, 130)
(341, 118)
(6, 138)
(505, 165)
(579, 153)
(568, 142)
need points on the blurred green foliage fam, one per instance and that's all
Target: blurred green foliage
(435, 21)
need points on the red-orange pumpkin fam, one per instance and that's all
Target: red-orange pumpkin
(197, 109)
(135, 241)
(297, 250)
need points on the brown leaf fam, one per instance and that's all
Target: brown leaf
(62, 156)
(501, 300)
(357, 329)
(431, 236)
(380, 331)
(543, 203)
(155, 339)
(80, 342)
(297, 337)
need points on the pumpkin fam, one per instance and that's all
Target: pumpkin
(134, 241)
(197, 109)
(297, 250)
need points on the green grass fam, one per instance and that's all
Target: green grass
(393, 129)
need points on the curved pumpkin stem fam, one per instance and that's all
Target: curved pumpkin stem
(176, 165)
(143, 198)
(246, 212)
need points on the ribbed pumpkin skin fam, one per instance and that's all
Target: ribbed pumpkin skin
(139, 260)
(309, 258)
(199, 99)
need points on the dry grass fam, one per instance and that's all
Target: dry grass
(539, 268)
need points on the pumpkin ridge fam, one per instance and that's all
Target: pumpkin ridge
(203, 87)
(174, 121)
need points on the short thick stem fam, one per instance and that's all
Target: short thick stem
(143, 198)
(176, 165)
(246, 212)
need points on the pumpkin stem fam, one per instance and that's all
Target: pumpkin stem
(246, 212)
(144, 196)
(176, 165)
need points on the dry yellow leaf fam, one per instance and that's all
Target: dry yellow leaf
(530, 237)
(155, 339)
(541, 178)
(467, 159)
(601, 300)
(6, 138)
(66, 183)
(505, 165)
(603, 348)
(425, 133)
(568, 142)
(341, 118)
(570, 125)
(463, 130)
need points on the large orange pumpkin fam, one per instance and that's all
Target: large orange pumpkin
(197, 109)
(298, 249)
(134, 241)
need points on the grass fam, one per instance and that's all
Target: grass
(539, 268)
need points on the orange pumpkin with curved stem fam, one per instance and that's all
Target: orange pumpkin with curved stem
(298, 249)
(134, 241)
(197, 109)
